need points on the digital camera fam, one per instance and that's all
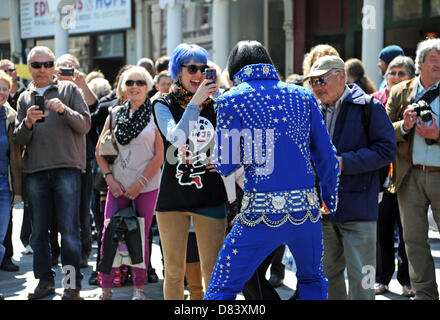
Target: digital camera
(423, 110)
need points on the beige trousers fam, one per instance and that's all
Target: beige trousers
(173, 230)
(418, 190)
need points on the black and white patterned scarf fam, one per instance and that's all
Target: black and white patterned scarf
(128, 128)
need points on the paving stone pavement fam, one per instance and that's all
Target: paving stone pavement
(16, 285)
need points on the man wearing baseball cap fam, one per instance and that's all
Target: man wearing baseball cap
(364, 138)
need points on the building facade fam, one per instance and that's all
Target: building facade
(106, 34)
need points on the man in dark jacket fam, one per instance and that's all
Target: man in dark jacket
(365, 141)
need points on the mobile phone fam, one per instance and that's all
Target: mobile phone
(211, 74)
(40, 102)
(66, 72)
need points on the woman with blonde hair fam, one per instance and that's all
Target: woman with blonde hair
(10, 160)
(315, 53)
(135, 174)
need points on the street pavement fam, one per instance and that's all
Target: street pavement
(16, 285)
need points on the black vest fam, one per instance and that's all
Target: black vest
(186, 185)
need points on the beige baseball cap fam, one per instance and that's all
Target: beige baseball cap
(324, 65)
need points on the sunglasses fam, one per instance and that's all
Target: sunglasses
(400, 74)
(38, 65)
(9, 70)
(139, 83)
(322, 80)
(192, 68)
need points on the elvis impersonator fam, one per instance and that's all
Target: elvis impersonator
(276, 132)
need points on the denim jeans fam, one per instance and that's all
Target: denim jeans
(5, 212)
(55, 193)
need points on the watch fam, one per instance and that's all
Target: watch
(107, 174)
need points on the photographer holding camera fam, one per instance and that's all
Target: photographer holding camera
(53, 132)
(413, 107)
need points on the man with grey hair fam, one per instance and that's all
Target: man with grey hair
(55, 155)
(148, 64)
(417, 177)
(68, 62)
(364, 139)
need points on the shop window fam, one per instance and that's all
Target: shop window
(5, 51)
(435, 8)
(110, 45)
(79, 47)
(407, 9)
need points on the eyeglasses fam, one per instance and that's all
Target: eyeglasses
(38, 65)
(139, 83)
(192, 68)
(322, 80)
(400, 74)
(9, 70)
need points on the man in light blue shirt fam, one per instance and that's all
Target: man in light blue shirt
(417, 175)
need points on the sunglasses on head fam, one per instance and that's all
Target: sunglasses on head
(139, 83)
(400, 74)
(38, 65)
(192, 68)
(321, 80)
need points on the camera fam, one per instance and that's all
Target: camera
(66, 72)
(423, 110)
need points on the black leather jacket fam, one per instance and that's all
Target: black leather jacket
(123, 226)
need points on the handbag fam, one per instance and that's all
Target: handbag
(108, 148)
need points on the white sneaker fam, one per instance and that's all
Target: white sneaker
(139, 294)
(28, 250)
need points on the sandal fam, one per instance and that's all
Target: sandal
(380, 288)
(106, 295)
(139, 294)
(408, 292)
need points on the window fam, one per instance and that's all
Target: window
(204, 15)
(407, 9)
(110, 45)
(435, 8)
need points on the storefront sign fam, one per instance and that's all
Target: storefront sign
(85, 16)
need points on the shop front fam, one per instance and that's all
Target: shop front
(97, 31)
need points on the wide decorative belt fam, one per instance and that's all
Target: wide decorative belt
(284, 204)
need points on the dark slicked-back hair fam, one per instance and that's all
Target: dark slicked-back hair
(244, 53)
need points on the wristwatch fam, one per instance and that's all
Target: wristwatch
(107, 174)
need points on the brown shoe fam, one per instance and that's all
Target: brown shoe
(41, 291)
(71, 294)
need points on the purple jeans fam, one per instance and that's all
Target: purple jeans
(145, 204)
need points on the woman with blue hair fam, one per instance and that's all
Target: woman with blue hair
(190, 188)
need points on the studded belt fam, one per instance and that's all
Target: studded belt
(283, 203)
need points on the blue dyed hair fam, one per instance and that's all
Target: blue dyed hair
(183, 53)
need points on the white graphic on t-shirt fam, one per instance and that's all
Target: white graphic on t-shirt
(190, 167)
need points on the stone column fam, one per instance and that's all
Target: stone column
(14, 31)
(288, 29)
(372, 37)
(139, 29)
(61, 37)
(174, 22)
(220, 32)
(62, 13)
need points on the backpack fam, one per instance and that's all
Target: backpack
(384, 172)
